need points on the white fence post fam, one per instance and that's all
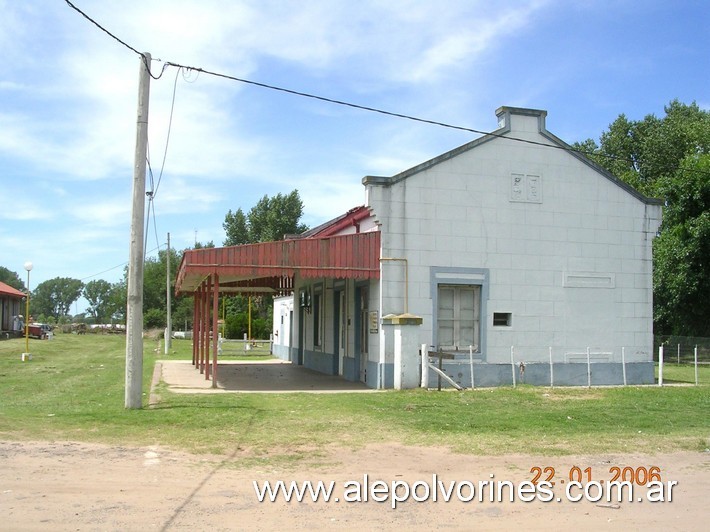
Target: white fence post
(589, 370)
(660, 365)
(425, 366)
(512, 363)
(470, 357)
(552, 378)
(679, 354)
(623, 364)
(696, 364)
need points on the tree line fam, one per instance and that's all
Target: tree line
(270, 219)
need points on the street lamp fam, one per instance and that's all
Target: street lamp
(26, 354)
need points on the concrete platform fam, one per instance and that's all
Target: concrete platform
(271, 376)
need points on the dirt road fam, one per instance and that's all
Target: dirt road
(77, 486)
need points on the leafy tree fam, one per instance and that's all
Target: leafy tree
(154, 318)
(644, 151)
(154, 287)
(119, 300)
(237, 316)
(182, 313)
(668, 158)
(682, 251)
(236, 227)
(269, 220)
(56, 296)
(103, 302)
(11, 278)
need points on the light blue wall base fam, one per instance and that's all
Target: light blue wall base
(565, 374)
(350, 372)
(326, 363)
(281, 351)
(485, 375)
(388, 370)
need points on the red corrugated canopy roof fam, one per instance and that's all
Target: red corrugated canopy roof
(270, 266)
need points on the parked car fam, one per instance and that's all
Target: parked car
(39, 330)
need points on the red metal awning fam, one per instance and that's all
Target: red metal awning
(270, 266)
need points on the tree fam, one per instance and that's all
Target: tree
(682, 251)
(154, 288)
(668, 158)
(119, 299)
(56, 296)
(11, 278)
(235, 225)
(237, 316)
(103, 303)
(642, 152)
(269, 220)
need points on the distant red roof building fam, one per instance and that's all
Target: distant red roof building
(10, 305)
(7, 290)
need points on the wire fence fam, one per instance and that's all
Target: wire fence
(686, 359)
(244, 348)
(685, 362)
(681, 349)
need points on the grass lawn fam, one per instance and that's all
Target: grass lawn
(73, 389)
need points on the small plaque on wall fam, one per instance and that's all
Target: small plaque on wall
(373, 322)
(526, 188)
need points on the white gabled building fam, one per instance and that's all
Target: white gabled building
(515, 244)
(510, 241)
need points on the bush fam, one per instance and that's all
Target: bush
(154, 319)
(236, 326)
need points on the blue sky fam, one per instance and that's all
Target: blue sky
(68, 95)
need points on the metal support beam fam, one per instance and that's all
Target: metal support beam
(215, 327)
(206, 321)
(194, 328)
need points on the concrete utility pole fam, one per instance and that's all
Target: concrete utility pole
(134, 310)
(169, 328)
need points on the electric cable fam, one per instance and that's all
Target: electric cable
(167, 140)
(564, 146)
(122, 265)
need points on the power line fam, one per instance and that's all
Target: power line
(151, 206)
(122, 265)
(564, 146)
(131, 48)
(167, 140)
(87, 17)
(303, 94)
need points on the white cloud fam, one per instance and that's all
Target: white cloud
(327, 196)
(178, 196)
(100, 212)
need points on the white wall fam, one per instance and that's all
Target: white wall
(571, 262)
(283, 306)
